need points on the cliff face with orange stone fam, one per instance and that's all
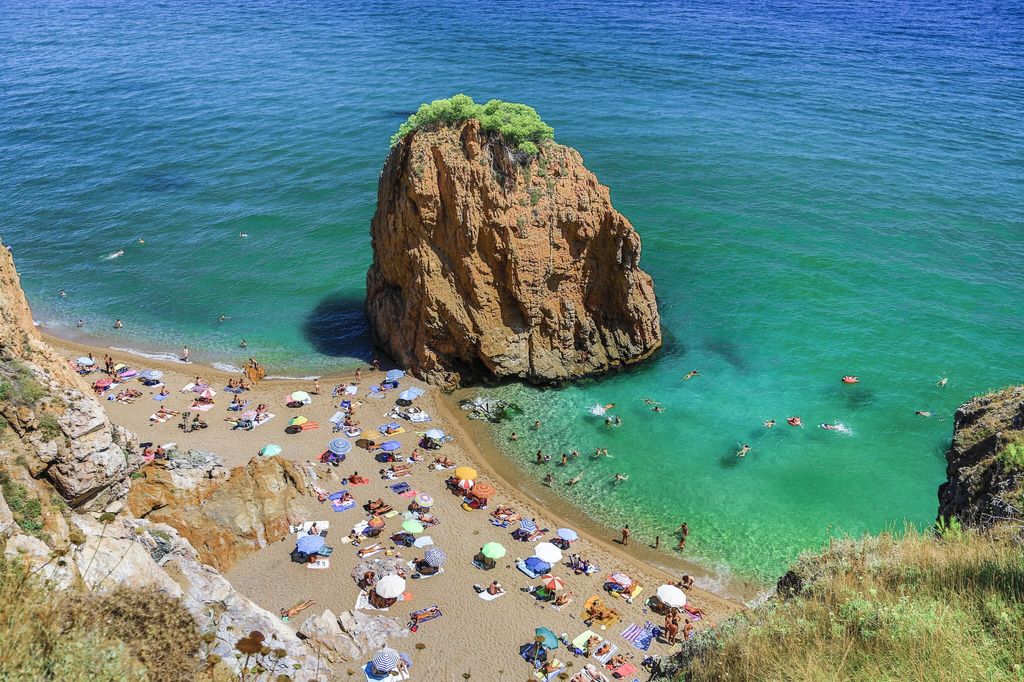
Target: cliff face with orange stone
(489, 264)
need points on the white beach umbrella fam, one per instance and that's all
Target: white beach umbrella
(672, 596)
(390, 586)
(547, 553)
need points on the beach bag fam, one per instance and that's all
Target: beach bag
(299, 557)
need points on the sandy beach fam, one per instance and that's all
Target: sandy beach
(473, 635)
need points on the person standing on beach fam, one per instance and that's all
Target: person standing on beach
(316, 387)
(184, 353)
(375, 364)
(625, 535)
(657, 541)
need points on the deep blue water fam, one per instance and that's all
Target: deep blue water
(822, 189)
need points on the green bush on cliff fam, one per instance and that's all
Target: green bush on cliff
(917, 607)
(519, 124)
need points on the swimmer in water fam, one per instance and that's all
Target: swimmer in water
(222, 318)
(243, 235)
(941, 383)
(514, 436)
(574, 480)
(80, 324)
(923, 413)
(118, 323)
(619, 478)
(63, 294)
(658, 408)
(549, 479)
(141, 240)
(691, 375)
(243, 344)
(829, 427)
(742, 452)
(768, 423)
(648, 401)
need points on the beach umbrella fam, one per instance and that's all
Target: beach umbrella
(547, 553)
(411, 394)
(424, 500)
(529, 525)
(390, 586)
(86, 362)
(466, 473)
(482, 491)
(620, 579)
(390, 445)
(671, 596)
(105, 381)
(568, 534)
(300, 397)
(310, 544)
(151, 374)
(435, 434)
(270, 450)
(435, 557)
(493, 550)
(552, 582)
(377, 522)
(394, 374)
(385, 661)
(412, 526)
(546, 637)
(465, 484)
(208, 393)
(339, 446)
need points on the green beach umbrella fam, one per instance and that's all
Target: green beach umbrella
(412, 526)
(270, 450)
(493, 550)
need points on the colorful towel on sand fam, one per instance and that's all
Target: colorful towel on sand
(320, 564)
(640, 637)
(160, 397)
(363, 603)
(609, 651)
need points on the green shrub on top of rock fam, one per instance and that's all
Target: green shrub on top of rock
(519, 124)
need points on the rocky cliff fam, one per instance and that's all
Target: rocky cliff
(985, 463)
(492, 263)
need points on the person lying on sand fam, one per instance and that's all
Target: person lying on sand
(378, 506)
(592, 642)
(295, 610)
(426, 614)
(444, 462)
(564, 598)
(617, 661)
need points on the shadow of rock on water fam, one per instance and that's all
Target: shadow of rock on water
(729, 351)
(337, 327)
(855, 396)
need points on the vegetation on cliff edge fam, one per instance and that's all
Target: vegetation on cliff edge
(916, 607)
(520, 125)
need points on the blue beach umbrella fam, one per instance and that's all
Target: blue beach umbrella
(385, 661)
(151, 374)
(339, 446)
(86, 361)
(528, 525)
(435, 556)
(394, 374)
(568, 534)
(411, 394)
(270, 450)
(310, 544)
(547, 638)
(390, 445)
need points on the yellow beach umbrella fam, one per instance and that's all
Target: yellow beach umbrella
(465, 473)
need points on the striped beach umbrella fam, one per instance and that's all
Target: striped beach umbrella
(465, 484)
(151, 374)
(394, 374)
(529, 525)
(435, 556)
(424, 500)
(483, 490)
(385, 661)
(208, 393)
(339, 446)
(552, 582)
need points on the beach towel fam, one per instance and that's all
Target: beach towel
(338, 419)
(363, 603)
(339, 506)
(549, 677)
(319, 564)
(236, 391)
(160, 397)
(413, 625)
(392, 677)
(640, 637)
(394, 426)
(625, 670)
(400, 488)
(419, 417)
(607, 655)
(590, 673)
(262, 418)
(487, 596)
(303, 528)
(310, 426)
(202, 408)
(239, 408)
(158, 419)
(523, 568)
(581, 641)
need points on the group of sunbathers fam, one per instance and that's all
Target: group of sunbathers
(128, 396)
(236, 386)
(162, 414)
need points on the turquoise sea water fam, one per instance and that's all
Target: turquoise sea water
(822, 189)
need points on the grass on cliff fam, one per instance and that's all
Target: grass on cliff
(519, 124)
(18, 386)
(47, 634)
(882, 608)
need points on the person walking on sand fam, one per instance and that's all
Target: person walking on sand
(316, 387)
(625, 535)
(184, 353)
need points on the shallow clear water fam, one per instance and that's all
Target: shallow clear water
(822, 189)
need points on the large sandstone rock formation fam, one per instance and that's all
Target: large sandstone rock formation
(488, 263)
(985, 463)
